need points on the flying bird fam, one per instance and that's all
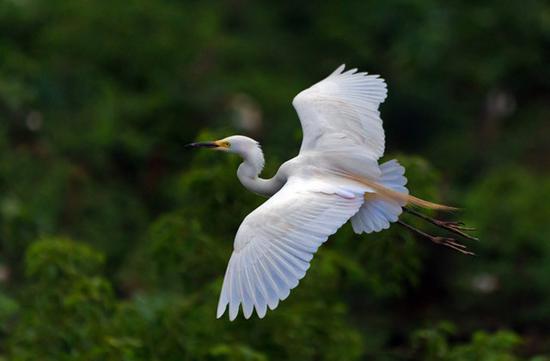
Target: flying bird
(335, 178)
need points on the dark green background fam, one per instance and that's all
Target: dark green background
(114, 239)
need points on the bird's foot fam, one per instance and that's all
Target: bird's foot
(444, 241)
(452, 243)
(458, 228)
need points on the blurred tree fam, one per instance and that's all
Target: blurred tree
(65, 307)
(432, 344)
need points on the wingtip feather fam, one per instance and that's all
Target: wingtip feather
(221, 310)
(261, 311)
(338, 70)
(233, 312)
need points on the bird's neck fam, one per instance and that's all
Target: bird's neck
(249, 171)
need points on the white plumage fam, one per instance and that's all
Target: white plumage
(336, 177)
(377, 212)
(341, 112)
(276, 242)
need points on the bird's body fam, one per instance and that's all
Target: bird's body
(335, 178)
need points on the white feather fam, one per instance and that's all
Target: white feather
(377, 213)
(278, 240)
(342, 111)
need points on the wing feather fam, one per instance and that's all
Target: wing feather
(249, 301)
(235, 299)
(341, 113)
(275, 244)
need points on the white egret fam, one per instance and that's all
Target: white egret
(335, 178)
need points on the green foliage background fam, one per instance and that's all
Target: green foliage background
(114, 239)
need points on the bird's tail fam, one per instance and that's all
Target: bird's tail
(404, 198)
(385, 203)
(401, 197)
(377, 211)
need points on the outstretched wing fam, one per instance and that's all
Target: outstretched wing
(276, 242)
(341, 113)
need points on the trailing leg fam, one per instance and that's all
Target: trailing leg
(445, 241)
(451, 226)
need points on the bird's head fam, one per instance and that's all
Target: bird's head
(247, 148)
(238, 144)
